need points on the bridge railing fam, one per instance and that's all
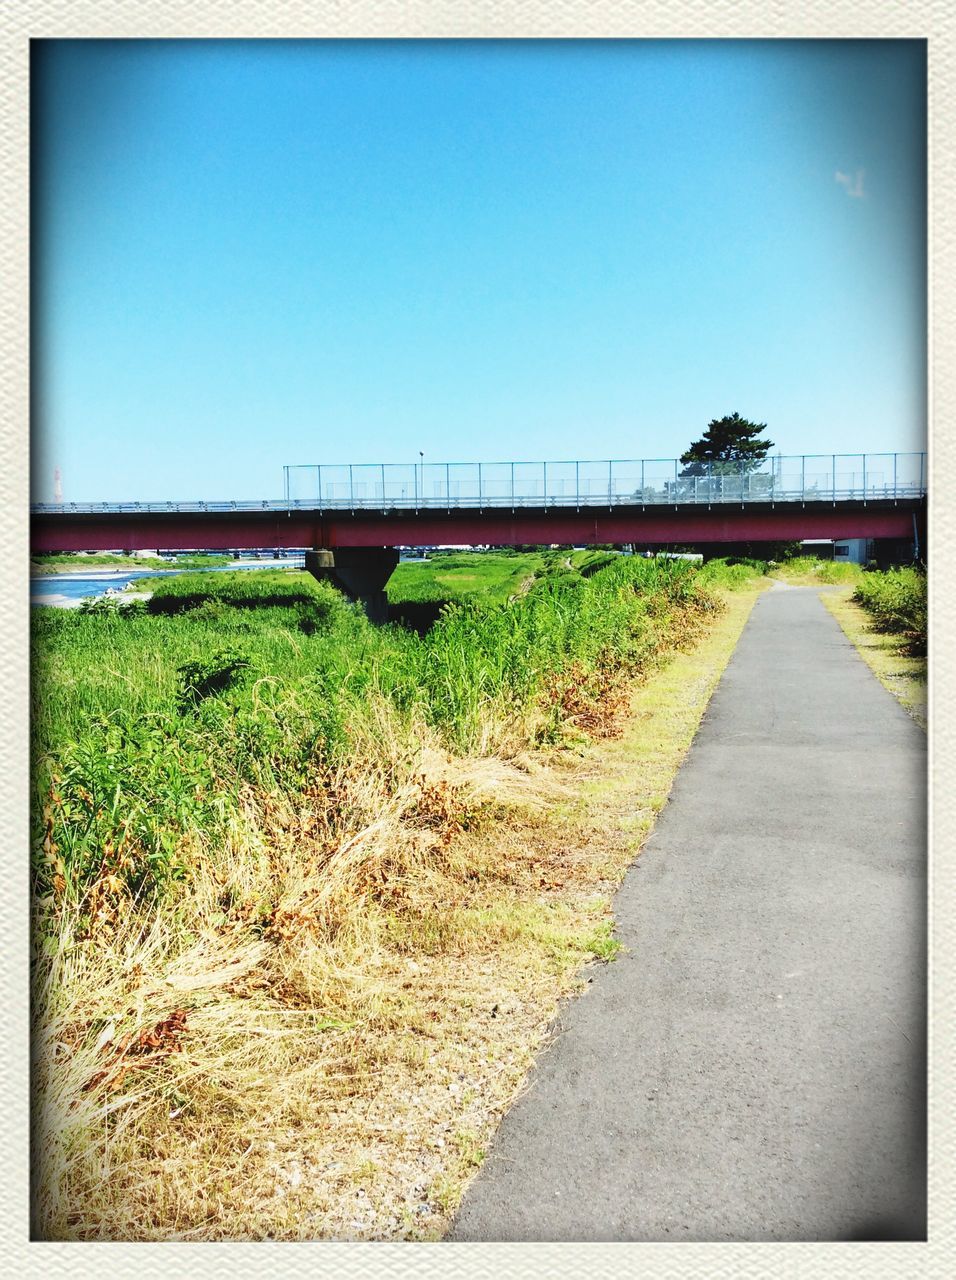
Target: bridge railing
(617, 482)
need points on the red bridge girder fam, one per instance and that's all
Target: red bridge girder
(494, 526)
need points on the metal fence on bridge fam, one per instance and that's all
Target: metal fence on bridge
(613, 483)
(809, 478)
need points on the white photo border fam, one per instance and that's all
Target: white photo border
(22, 21)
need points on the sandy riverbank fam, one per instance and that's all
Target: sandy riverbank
(74, 602)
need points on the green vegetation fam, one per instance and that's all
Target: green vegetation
(149, 723)
(811, 571)
(78, 563)
(417, 592)
(737, 573)
(188, 561)
(590, 560)
(896, 600)
(491, 575)
(241, 589)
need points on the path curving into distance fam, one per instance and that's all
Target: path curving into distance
(753, 1067)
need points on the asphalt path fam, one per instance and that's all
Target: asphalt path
(753, 1067)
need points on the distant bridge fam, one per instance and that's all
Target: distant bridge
(653, 501)
(650, 502)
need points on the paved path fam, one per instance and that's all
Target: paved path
(753, 1068)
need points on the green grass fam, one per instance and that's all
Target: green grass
(243, 588)
(811, 570)
(78, 563)
(489, 575)
(897, 603)
(150, 723)
(733, 574)
(589, 561)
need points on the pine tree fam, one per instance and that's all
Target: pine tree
(730, 445)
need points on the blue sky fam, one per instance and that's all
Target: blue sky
(248, 254)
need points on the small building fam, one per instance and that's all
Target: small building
(849, 550)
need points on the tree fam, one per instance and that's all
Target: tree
(729, 446)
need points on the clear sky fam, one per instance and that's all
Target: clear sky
(252, 253)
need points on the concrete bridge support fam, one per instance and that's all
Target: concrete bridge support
(361, 572)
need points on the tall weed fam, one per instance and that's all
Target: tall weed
(149, 727)
(897, 601)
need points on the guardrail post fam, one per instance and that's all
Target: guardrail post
(351, 490)
(833, 483)
(577, 484)
(285, 476)
(544, 481)
(447, 485)
(643, 498)
(675, 482)
(383, 485)
(803, 478)
(415, 469)
(895, 456)
(512, 486)
(610, 481)
(864, 477)
(479, 486)
(743, 472)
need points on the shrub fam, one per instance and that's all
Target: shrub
(204, 676)
(897, 601)
(243, 589)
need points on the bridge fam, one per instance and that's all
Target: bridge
(351, 518)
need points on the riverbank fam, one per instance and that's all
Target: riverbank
(313, 1029)
(106, 574)
(75, 602)
(99, 579)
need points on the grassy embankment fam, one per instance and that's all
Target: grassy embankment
(498, 575)
(417, 592)
(69, 563)
(307, 890)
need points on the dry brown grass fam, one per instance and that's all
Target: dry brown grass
(318, 1040)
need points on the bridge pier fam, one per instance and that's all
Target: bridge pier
(361, 572)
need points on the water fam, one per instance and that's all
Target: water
(62, 589)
